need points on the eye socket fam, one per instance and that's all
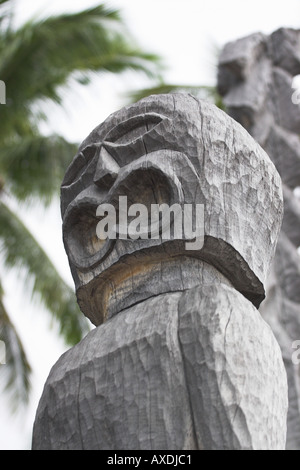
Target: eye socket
(85, 248)
(127, 141)
(130, 130)
(123, 134)
(80, 163)
(143, 187)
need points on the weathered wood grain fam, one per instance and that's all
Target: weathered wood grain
(180, 357)
(274, 121)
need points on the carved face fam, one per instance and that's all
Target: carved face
(141, 153)
(143, 157)
(163, 149)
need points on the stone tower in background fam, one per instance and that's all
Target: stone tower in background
(255, 78)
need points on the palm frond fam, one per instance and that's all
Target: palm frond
(4, 4)
(5, 17)
(202, 91)
(20, 249)
(99, 12)
(37, 62)
(40, 56)
(15, 373)
(34, 165)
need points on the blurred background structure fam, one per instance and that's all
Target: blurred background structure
(255, 77)
(64, 73)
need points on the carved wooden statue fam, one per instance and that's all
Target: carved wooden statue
(180, 357)
(256, 76)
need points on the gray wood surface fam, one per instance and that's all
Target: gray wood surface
(266, 109)
(180, 357)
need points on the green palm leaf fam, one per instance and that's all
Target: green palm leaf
(15, 373)
(34, 166)
(40, 56)
(37, 63)
(202, 91)
(20, 249)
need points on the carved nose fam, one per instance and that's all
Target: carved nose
(107, 169)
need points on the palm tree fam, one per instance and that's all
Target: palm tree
(206, 92)
(37, 61)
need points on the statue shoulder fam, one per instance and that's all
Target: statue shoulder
(57, 419)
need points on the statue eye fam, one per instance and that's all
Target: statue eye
(124, 142)
(130, 130)
(79, 165)
(130, 139)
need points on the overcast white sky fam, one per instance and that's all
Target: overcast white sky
(186, 34)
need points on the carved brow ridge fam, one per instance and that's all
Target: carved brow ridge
(123, 134)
